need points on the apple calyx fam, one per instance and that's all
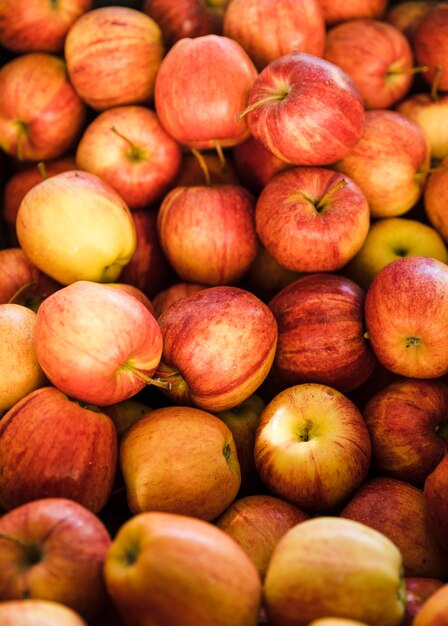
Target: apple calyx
(157, 382)
(275, 97)
(134, 153)
(413, 341)
(226, 451)
(442, 431)
(53, 4)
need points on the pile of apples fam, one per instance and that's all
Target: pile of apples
(224, 313)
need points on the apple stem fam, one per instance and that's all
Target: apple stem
(418, 69)
(202, 164)
(433, 170)
(157, 382)
(324, 200)
(42, 170)
(435, 83)
(254, 105)
(20, 290)
(22, 128)
(220, 153)
(134, 153)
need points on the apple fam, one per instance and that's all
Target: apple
(177, 557)
(312, 447)
(336, 11)
(408, 426)
(205, 477)
(266, 277)
(97, 343)
(430, 43)
(20, 372)
(18, 274)
(435, 489)
(202, 84)
(255, 164)
(406, 14)
(203, 359)
(38, 613)
(48, 128)
(321, 333)
(172, 294)
(113, 54)
(268, 30)
(125, 413)
(390, 239)
(208, 232)
(406, 309)
(336, 621)
(331, 566)
(434, 610)
(54, 549)
(382, 70)
(52, 446)
(312, 219)
(418, 590)
(390, 162)
(127, 147)
(206, 168)
(74, 226)
(134, 291)
(305, 110)
(257, 522)
(435, 208)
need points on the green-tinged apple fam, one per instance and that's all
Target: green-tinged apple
(113, 54)
(320, 320)
(51, 446)
(202, 84)
(390, 162)
(336, 11)
(406, 309)
(48, 128)
(97, 343)
(408, 426)
(434, 611)
(334, 567)
(257, 522)
(255, 164)
(180, 460)
(54, 549)
(418, 590)
(433, 199)
(390, 239)
(203, 336)
(398, 510)
(20, 372)
(406, 14)
(38, 613)
(125, 413)
(430, 43)
(312, 446)
(74, 226)
(208, 232)
(172, 294)
(127, 147)
(312, 219)
(268, 30)
(21, 282)
(162, 568)
(305, 110)
(435, 490)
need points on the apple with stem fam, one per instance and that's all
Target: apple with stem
(430, 43)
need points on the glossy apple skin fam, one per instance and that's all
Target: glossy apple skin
(192, 71)
(140, 171)
(69, 545)
(430, 43)
(312, 219)
(389, 162)
(53, 447)
(434, 194)
(268, 30)
(49, 128)
(387, 505)
(177, 557)
(406, 309)
(38, 613)
(113, 54)
(434, 491)
(374, 67)
(172, 294)
(418, 590)
(430, 114)
(316, 119)
(304, 434)
(90, 339)
(335, 11)
(207, 475)
(208, 233)
(21, 282)
(202, 339)
(434, 610)
(334, 566)
(255, 164)
(408, 424)
(321, 333)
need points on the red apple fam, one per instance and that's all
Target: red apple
(433, 199)
(255, 164)
(435, 490)
(406, 14)
(206, 168)
(38, 613)
(19, 275)
(266, 277)
(418, 590)
(172, 294)
(430, 43)
(336, 11)
(136, 292)
(434, 610)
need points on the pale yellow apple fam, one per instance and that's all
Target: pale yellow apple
(329, 566)
(74, 226)
(38, 613)
(336, 621)
(429, 113)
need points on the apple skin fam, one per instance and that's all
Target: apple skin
(192, 70)
(408, 426)
(390, 239)
(434, 193)
(434, 610)
(321, 333)
(125, 413)
(52, 125)
(113, 54)
(330, 566)
(430, 113)
(140, 164)
(312, 219)
(406, 309)
(335, 11)
(177, 557)
(389, 162)
(380, 69)
(172, 294)
(38, 613)
(134, 291)
(406, 15)
(257, 522)
(314, 115)
(434, 491)
(54, 549)
(304, 434)
(388, 505)
(266, 277)
(202, 338)
(207, 475)
(97, 343)
(430, 43)
(336, 621)
(418, 590)
(268, 30)
(54, 447)
(208, 233)
(255, 164)
(74, 226)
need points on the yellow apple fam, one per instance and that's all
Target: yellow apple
(38, 613)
